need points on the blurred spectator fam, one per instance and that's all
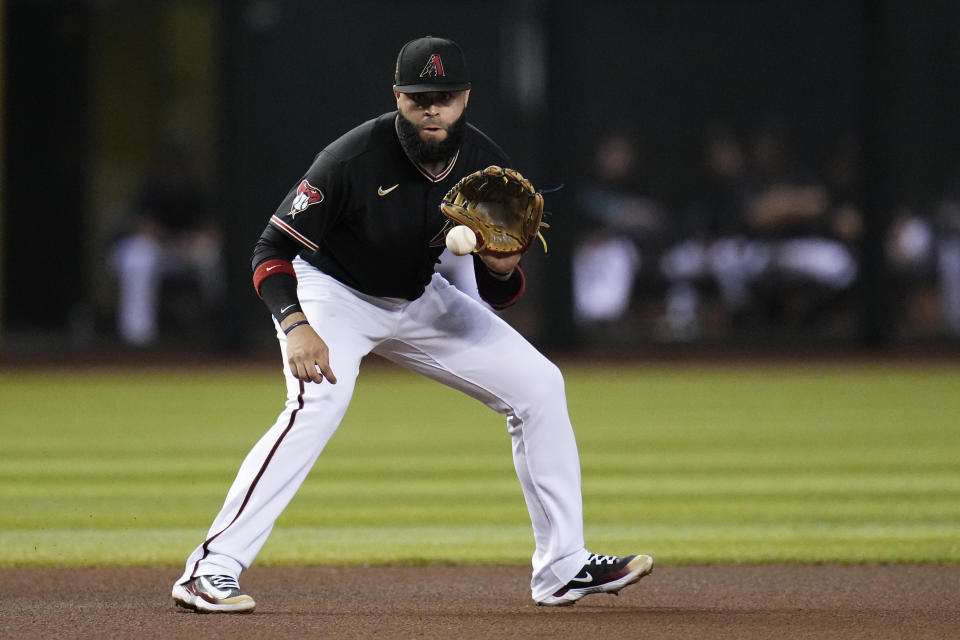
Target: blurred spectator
(761, 233)
(948, 256)
(620, 223)
(166, 236)
(927, 248)
(711, 228)
(789, 211)
(845, 217)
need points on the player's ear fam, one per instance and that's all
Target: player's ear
(466, 98)
(396, 94)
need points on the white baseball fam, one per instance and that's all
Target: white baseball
(461, 240)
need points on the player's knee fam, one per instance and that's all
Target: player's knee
(545, 384)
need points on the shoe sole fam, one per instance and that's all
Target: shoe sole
(644, 568)
(185, 600)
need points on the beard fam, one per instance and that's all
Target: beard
(429, 151)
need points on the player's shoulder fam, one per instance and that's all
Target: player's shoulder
(362, 139)
(484, 146)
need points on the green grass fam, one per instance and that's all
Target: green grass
(692, 465)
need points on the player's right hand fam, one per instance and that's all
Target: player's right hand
(308, 356)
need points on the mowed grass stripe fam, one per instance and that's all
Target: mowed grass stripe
(499, 508)
(433, 485)
(493, 544)
(724, 465)
(70, 467)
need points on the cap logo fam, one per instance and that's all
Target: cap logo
(433, 68)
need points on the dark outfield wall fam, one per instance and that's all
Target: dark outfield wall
(296, 73)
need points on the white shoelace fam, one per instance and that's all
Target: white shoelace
(598, 559)
(224, 582)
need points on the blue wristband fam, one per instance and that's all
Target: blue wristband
(295, 324)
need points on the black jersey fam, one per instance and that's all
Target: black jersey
(369, 216)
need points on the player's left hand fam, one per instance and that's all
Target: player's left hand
(307, 353)
(499, 263)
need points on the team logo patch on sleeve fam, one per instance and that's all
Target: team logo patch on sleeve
(307, 195)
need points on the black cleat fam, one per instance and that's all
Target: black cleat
(601, 574)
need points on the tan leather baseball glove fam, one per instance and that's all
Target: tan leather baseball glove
(502, 208)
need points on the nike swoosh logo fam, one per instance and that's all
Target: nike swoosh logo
(289, 306)
(589, 578)
(382, 192)
(273, 267)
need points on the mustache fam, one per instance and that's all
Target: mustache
(431, 122)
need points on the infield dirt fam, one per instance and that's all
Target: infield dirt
(744, 602)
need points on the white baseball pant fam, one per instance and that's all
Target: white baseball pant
(444, 335)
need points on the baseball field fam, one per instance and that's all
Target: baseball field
(813, 483)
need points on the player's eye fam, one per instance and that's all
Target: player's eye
(424, 100)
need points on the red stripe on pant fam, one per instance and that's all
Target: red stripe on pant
(253, 485)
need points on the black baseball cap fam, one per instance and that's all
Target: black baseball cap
(431, 64)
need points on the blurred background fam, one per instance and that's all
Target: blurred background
(735, 174)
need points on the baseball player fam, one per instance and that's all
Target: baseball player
(346, 267)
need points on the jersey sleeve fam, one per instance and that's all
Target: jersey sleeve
(499, 294)
(313, 204)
